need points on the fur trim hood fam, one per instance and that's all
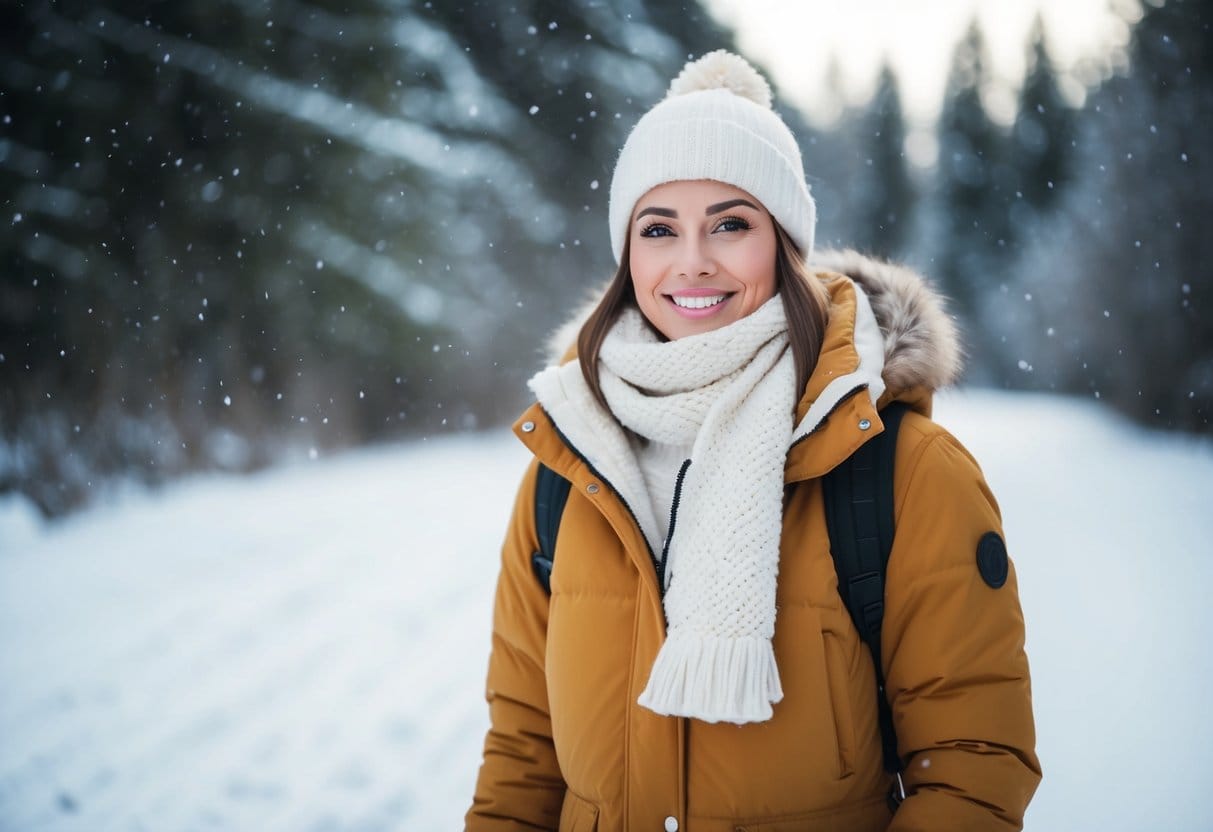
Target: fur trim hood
(921, 345)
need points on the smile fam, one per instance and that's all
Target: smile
(698, 302)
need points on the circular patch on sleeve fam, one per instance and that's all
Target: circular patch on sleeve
(992, 559)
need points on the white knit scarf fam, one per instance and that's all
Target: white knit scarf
(731, 393)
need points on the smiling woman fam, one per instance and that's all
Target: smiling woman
(694, 666)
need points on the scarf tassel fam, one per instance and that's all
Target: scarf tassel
(714, 679)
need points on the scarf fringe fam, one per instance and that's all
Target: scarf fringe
(714, 679)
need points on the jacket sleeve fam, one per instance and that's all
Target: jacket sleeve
(520, 785)
(953, 650)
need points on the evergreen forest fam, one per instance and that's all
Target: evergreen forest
(237, 232)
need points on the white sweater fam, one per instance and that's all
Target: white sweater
(659, 465)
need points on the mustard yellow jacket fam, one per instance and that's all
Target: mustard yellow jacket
(570, 749)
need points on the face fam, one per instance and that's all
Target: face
(702, 255)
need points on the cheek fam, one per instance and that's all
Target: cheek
(639, 261)
(646, 272)
(757, 271)
(644, 283)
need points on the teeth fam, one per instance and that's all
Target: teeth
(702, 302)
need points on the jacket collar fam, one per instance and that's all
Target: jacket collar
(843, 388)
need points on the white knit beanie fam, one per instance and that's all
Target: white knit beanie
(716, 123)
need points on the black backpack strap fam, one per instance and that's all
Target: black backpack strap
(551, 493)
(859, 515)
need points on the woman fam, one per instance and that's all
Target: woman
(694, 667)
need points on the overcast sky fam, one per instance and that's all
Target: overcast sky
(795, 42)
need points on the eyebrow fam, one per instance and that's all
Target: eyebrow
(724, 206)
(661, 212)
(711, 209)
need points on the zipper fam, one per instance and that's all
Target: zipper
(669, 535)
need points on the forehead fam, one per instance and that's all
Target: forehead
(692, 192)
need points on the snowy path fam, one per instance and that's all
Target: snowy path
(304, 649)
(297, 650)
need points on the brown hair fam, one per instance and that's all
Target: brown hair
(804, 301)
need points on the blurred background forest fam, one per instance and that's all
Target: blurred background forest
(242, 231)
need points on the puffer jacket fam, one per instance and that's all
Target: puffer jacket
(570, 749)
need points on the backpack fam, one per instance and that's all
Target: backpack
(859, 517)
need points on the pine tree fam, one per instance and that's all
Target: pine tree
(1043, 135)
(1039, 156)
(975, 190)
(884, 194)
(833, 162)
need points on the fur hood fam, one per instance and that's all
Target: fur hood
(921, 345)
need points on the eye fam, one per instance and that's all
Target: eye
(733, 224)
(656, 229)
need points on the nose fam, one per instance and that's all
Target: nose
(695, 258)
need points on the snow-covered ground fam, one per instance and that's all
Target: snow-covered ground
(304, 649)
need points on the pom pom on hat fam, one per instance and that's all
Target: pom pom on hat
(715, 123)
(723, 70)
